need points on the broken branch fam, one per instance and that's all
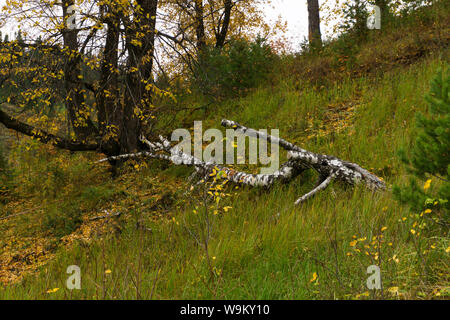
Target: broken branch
(44, 137)
(328, 167)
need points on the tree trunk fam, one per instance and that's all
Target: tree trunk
(200, 25)
(315, 36)
(223, 29)
(110, 109)
(78, 112)
(138, 84)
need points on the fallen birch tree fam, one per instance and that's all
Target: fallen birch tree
(329, 167)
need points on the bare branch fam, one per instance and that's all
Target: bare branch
(44, 137)
(319, 188)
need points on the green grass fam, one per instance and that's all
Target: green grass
(264, 247)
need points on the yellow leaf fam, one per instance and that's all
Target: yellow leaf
(108, 271)
(393, 290)
(427, 184)
(52, 290)
(314, 277)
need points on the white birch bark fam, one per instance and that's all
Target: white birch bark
(329, 167)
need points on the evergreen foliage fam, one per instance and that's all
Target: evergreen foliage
(241, 65)
(429, 158)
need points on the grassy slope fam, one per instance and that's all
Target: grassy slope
(264, 248)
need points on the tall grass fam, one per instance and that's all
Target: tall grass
(264, 247)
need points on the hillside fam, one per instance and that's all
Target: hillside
(354, 103)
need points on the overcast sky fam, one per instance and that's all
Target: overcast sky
(293, 11)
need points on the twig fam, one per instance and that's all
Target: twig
(108, 215)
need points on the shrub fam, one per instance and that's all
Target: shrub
(5, 175)
(62, 220)
(94, 196)
(239, 66)
(429, 158)
(355, 18)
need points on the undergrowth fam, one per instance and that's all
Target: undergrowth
(170, 242)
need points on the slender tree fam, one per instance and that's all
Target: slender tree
(315, 36)
(200, 25)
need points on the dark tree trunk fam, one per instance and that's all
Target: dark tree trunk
(223, 29)
(137, 101)
(78, 112)
(315, 36)
(110, 109)
(200, 25)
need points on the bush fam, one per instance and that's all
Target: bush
(355, 19)
(239, 66)
(94, 196)
(60, 221)
(429, 158)
(5, 175)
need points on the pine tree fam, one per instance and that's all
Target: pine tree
(429, 158)
(355, 18)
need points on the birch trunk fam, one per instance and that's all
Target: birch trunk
(329, 167)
